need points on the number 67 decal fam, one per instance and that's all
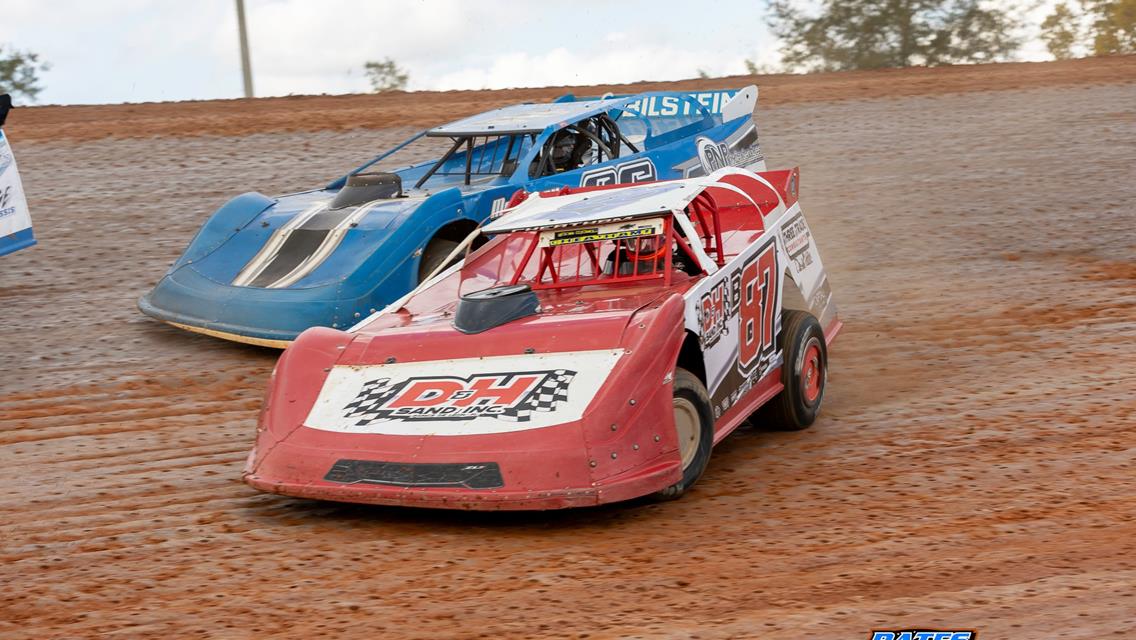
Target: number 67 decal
(756, 306)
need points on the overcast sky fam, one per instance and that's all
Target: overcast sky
(105, 51)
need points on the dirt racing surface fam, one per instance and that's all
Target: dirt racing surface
(972, 468)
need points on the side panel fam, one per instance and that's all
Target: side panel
(736, 314)
(738, 148)
(15, 222)
(804, 265)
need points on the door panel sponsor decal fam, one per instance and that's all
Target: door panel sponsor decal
(797, 238)
(805, 267)
(735, 314)
(461, 397)
(717, 155)
(496, 208)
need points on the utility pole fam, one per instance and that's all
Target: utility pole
(246, 65)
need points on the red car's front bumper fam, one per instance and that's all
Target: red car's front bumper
(625, 487)
(533, 481)
(619, 443)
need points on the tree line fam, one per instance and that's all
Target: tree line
(872, 34)
(837, 35)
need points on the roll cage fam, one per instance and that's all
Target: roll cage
(599, 131)
(650, 247)
(526, 154)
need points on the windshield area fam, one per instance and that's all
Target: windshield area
(475, 158)
(432, 161)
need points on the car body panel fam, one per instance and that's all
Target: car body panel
(570, 406)
(264, 269)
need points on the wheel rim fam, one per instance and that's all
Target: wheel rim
(687, 427)
(812, 372)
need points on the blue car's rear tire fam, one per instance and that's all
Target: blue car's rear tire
(433, 255)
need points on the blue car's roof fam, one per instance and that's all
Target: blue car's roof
(527, 118)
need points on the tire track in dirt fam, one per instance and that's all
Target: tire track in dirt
(972, 467)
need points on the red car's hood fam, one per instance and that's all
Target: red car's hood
(423, 377)
(575, 321)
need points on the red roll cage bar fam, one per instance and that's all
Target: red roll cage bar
(580, 264)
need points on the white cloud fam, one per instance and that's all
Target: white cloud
(628, 62)
(303, 47)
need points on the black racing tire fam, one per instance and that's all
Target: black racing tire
(804, 372)
(433, 255)
(691, 402)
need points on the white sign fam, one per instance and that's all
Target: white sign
(461, 397)
(15, 223)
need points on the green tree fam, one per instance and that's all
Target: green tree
(1061, 30)
(385, 75)
(760, 69)
(19, 72)
(872, 34)
(1113, 27)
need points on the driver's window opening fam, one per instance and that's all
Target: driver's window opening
(581, 144)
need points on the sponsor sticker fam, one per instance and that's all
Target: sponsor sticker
(671, 106)
(505, 396)
(717, 155)
(925, 634)
(595, 234)
(798, 239)
(601, 232)
(461, 397)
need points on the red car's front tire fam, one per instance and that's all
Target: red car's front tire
(694, 426)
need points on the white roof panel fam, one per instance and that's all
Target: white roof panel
(630, 201)
(524, 117)
(636, 201)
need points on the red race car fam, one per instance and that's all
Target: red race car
(592, 351)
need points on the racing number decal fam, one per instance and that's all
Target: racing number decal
(641, 170)
(756, 307)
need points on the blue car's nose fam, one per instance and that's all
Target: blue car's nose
(246, 314)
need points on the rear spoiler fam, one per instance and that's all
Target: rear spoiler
(5, 107)
(787, 182)
(729, 103)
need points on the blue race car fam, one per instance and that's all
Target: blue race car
(261, 270)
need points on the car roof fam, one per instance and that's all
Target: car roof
(634, 201)
(527, 118)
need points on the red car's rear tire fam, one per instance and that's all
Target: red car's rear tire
(694, 424)
(804, 372)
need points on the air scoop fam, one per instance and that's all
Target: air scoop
(482, 310)
(365, 187)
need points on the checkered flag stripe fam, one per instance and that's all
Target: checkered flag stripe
(373, 395)
(551, 391)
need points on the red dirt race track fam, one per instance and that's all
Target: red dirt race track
(972, 467)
